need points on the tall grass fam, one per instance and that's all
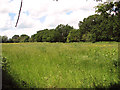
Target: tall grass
(63, 65)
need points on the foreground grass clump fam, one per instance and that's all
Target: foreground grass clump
(62, 65)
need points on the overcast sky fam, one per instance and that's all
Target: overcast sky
(41, 14)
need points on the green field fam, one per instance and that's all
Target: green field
(62, 65)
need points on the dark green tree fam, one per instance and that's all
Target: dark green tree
(33, 38)
(15, 38)
(10, 40)
(0, 39)
(74, 36)
(4, 39)
(24, 38)
(103, 26)
(63, 31)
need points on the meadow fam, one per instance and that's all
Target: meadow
(62, 65)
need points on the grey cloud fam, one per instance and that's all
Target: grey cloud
(84, 9)
(25, 25)
(5, 28)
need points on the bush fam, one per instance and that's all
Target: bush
(88, 37)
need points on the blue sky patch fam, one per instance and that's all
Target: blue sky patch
(42, 19)
(26, 12)
(12, 15)
(10, 0)
(68, 13)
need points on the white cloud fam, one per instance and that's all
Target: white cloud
(55, 13)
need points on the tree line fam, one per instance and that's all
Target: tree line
(103, 26)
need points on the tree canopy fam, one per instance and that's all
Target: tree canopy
(102, 26)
